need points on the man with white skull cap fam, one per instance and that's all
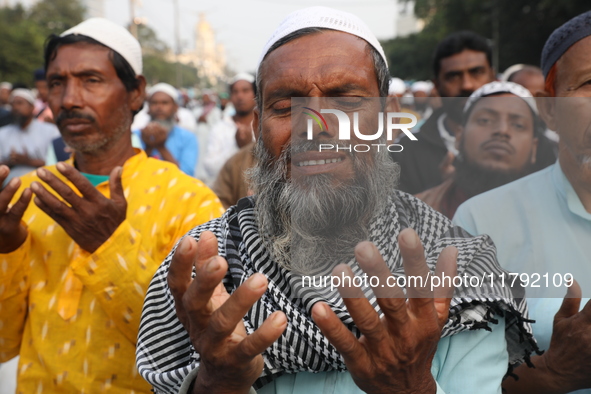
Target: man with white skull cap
(25, 141)
(162, 137)
(225, 312)
(76, 262)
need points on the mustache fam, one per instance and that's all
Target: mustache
(65, 115)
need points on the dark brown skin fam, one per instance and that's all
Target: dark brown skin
(82, 81)
(89, 220)
(244, 133)
(231, 360)
(395, 353)
(23, 159)
(242, 97)
(565, 366)
(12, 232)
(154, 135)
(463, 72)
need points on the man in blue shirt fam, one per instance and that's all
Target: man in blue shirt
(162, 137)
(541, 224)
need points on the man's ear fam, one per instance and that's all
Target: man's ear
(547, 107)
(138, 95)
(256, 122)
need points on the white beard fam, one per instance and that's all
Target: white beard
(310, 229)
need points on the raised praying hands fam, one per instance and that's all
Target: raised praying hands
(393, 355)
(564, 367)
(89, 218)
(231, 360)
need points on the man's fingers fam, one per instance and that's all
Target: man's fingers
(338, 334)
(570, 304)
(197, 299)
(16, 212)
(207, 247)
(362, 312)
(230, 313)
(7, 194)
(60, 187)
(262, 338)
(446, 268)
(415, 265)
(82, 184)
(373, 264)
(390, 297)
(116, 186)
(180, 269)
(50, 204)
(4, 171)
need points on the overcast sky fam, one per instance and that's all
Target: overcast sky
(244, 26)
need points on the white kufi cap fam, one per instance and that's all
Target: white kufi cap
(397, 86)
(23, 93)
(499, 87)
(421, 86)
(113, 36)
(164, 88)
(242, 77)
(323, 17)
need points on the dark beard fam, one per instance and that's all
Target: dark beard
(21, 120)
(309, 225)
(474, 179)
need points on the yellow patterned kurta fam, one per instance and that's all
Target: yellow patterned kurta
(50, 277)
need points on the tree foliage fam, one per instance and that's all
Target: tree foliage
(523, 27)
(23, 33)
(156, 67)
(56, 16)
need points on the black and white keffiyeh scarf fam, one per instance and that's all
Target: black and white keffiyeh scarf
(165, 355)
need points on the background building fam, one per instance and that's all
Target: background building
(208, 56)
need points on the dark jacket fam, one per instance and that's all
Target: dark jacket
(419, 160)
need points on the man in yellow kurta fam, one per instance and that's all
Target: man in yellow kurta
(75, 264)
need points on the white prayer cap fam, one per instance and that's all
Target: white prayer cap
(397, 86)
(164, 88)
(242, 77)
(323, 17)
(512, 70)
(113, 36)
(421, 86)
(23, 93)
(498, 87)
(6, 85)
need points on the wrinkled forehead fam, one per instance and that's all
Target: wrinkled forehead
(80, 55)
(317, 59)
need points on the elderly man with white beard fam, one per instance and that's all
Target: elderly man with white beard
(227, 311)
